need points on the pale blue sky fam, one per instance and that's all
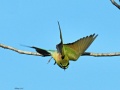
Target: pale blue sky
(34, 22)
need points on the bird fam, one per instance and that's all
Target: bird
(65, 53)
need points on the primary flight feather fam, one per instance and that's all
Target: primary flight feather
(67, 52)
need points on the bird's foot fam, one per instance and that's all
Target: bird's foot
(54, 63)
(49, 60)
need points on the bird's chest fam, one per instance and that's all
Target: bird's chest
(58, 58)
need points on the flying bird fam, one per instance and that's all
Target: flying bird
(67, 52)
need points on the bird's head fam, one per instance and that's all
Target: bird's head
(63, 65)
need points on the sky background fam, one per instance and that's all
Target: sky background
(34, 23)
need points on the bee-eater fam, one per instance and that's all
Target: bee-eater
(67, 52)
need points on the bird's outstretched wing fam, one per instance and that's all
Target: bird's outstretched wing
(59, 46)
(76, 49)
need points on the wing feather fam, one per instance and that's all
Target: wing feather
(76, 49)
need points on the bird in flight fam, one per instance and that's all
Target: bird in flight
(67, 52)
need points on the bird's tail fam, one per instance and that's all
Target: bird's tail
(43, 52)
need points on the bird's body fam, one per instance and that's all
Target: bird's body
(58, 59)
(67, 52)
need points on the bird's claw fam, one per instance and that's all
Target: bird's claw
(54, 63)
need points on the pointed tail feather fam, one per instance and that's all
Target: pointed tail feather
(43, 52)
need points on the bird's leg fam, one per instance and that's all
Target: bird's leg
(55, 63)
(49, 60)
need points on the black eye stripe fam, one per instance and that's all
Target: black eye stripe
(68, 64)
(64, 66)
(61, 64)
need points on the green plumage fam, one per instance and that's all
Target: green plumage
(67, 52)
(76, 49)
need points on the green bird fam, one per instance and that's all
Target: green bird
(67, 52)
